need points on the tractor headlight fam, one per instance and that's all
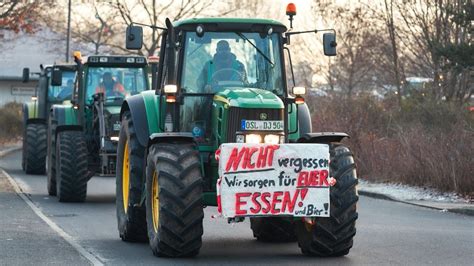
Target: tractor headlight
(170, 88)
(271, 139)
(299, 90)
(260, 138)
(240, 139)
(253, 138)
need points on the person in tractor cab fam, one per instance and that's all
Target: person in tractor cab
(110, 87)
(66, 92)
(223, 67)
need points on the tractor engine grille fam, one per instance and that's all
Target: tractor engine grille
(236, 115)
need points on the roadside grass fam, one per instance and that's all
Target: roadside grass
(425, 143)
(10, 122)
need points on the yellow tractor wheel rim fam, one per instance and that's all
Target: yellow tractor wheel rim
(155, 201)
(125, 177)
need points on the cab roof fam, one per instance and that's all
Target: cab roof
(231, 24)
(116, 60)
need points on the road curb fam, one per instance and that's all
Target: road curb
(376, 195)
(9, 150)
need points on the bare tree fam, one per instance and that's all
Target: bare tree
(438, 38)
(18, 16)
(100, 26)
(156, 12)
(393, 42)
(93, 27)
(100, 32)
(358, 38)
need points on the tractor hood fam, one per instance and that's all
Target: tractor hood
(112, 109)
(249, 98)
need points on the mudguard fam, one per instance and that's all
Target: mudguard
(299, 121)
(136, 105)
(304, 119)
(322, 137)
(144, 108)
(64, 117)
(171, 136)
(31, 113)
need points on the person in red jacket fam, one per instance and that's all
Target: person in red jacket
(110, 87)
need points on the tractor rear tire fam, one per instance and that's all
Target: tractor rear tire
(273, 229)
(51, 163)
(23, 150)
(174, 208)
(71, 166)
(131, 218)
(35, 145)
(333, 236)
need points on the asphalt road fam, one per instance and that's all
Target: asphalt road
(388, 233)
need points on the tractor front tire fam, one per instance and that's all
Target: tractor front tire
(71, 166)
(174, 208)
(333, 236)
(131, 217)
(273, 229)
(34, 149)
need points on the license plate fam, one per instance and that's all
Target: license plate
(117, 126)
(262, 125)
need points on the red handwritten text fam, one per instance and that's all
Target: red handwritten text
(242, 158)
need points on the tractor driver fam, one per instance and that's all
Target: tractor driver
(66, 92)
(223, 67)
(110, 87)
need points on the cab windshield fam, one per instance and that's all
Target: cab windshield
(63, 92)
(115, 82)
(226, 60)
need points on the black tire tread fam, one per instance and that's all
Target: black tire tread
(35, 143)
(71, 166)
(333, 236)
(131, 225)
(181, 209)
(51, 159)
(273, 229)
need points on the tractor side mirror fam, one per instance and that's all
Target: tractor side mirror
(26, 75)
(134, 38)
(329, 43)
(171, 33)
(56, 77)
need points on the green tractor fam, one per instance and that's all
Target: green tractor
(83, 136)
(223, 102)
(35, 113)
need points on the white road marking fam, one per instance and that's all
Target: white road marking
(24, 187)
(88, 255)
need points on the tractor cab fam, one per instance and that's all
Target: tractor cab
(116, 77)
(225, 66)
(223, 80)
(102, 86)
(51, 90)
(222, 61)
(35, 112)
(61, 91)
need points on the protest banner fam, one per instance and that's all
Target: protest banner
(273, 180)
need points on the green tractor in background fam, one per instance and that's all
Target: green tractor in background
(221, 81)
(83, 136)
(35, 113)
